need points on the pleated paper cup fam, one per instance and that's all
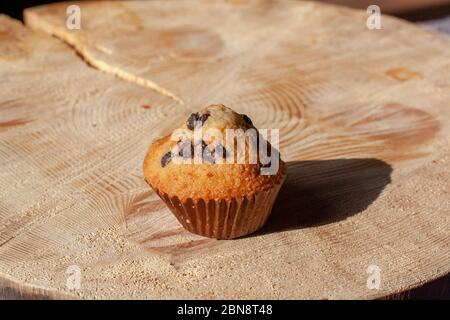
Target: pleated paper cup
(226, 218)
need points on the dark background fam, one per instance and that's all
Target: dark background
(14, 8)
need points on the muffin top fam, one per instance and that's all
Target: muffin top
(213, 155)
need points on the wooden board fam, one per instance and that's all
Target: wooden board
(393, 6)
(364, 126)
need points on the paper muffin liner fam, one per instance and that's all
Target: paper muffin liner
(225, 218)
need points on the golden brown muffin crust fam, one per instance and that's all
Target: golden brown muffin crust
(205, 180)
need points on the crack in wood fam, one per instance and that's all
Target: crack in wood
(107, 68)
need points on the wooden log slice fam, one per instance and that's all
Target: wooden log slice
(364, 127)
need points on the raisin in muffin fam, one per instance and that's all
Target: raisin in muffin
(212, 174)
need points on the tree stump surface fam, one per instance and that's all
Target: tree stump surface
(364, 127)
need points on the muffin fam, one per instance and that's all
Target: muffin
(216, 173)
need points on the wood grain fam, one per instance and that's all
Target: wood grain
(364, 126)
(391, 6)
